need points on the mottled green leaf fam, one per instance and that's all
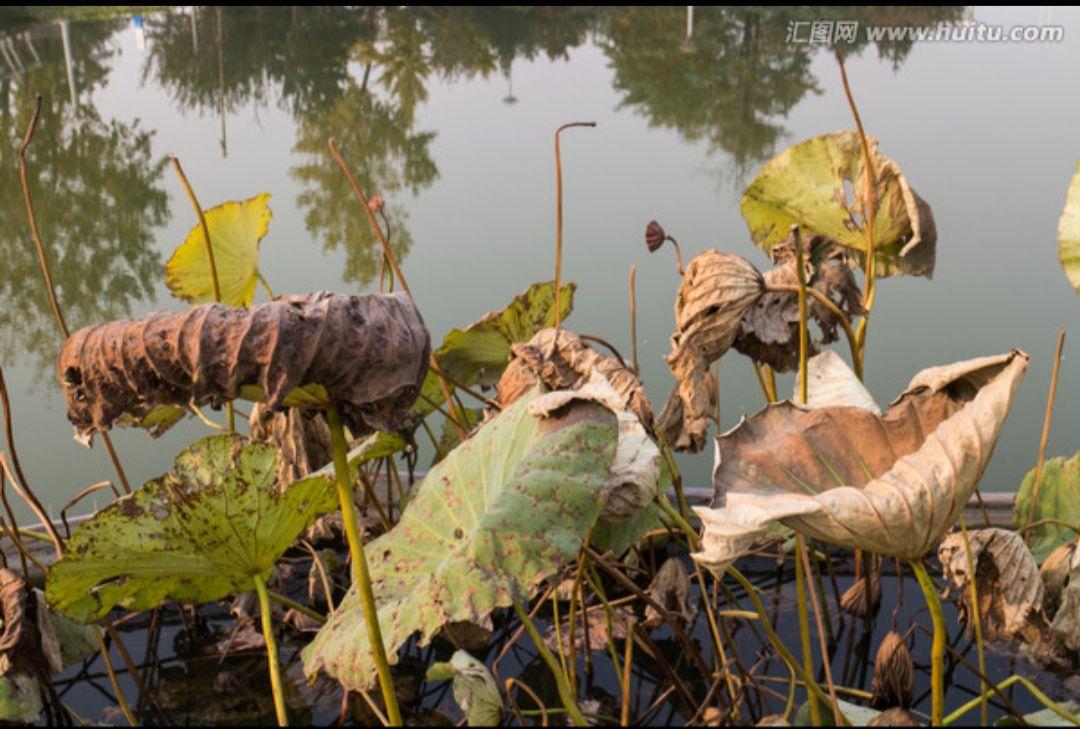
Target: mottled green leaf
(1045, 717)
(20, 699)
(475, 689)
(198, 533)
(450, 439)
(503, 511)
(1069, 232)
(1058, 498)
(818, 184)
(236, 228)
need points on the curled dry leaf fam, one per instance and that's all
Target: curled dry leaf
(1055, 571)
(599, 634)
(894, 673)
(1066, 624)
(818, 184)
(634, 474)
(1069, 233)
(475, 690)
(890, 484)
(301, 436)
(725, 302)
(561, 360)
(670, 588)
(717, 290)
(1007, 582)
(370, 353)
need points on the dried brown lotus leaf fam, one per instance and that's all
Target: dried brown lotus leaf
(301, 436)
(370, 353)
(561, 360)
(894, 673)
(597, 626)
(717, 290)
(1066, 626)
(1007, 582)
(890, 484)
(1055, 575)
(670, 589)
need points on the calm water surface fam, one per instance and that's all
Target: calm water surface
(449, 114)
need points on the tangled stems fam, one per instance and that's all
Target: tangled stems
(271, 651)
(937, 651)
(567, 696)
(359, 563)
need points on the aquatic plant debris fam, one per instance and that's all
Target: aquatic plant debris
(811, 185)
(1069, 232)
(369, 353)
(198, 533)
(889, 484)
(236, 229)
(502, 512)
(1057, 504)
(475, 690)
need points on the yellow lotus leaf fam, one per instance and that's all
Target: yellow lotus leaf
(1069, 232)
(236, 228)
(891, 484)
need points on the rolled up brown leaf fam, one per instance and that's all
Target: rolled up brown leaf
(370, 353)
(891, 484)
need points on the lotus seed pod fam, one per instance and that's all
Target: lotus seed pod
(654, 236)
(894, 673)
(861, 602)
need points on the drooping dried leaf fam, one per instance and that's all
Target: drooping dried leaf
(1066, 625)
(370, 354)
(634, 474)
(717, 290)
(561, 360)
(475, 690)
(818, 185)
(1069, 232)
(236, 228)
(198, 533)
(670, 588)
(1007, 582)
(302, 439)
(1057, 500)
(505, 510)
(1055, 571)
(894, 673)
(890, 484)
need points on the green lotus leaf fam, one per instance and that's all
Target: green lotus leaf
(236, 228)
(198, 533)
(1069, 232)
(475, 690)
(478, 354)
(818, 185)
(505, 510)
(1058, 498)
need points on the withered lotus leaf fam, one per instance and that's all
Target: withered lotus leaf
(561, 360)
(891, 484)
(370, 354)
(717, 290)
(1007, 582)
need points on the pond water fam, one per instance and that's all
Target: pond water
(449, 114)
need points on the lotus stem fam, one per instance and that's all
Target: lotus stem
(50, 287)
(230, 414)
(361, 577)
(633, 319)
(125, 708)
(559, 219)
(937, 651)
(568, 699)
(976, 622)
(271, 651)
(804, 338)
(1032, 688)
(294, 605)
(804, 625)
(1046, 425)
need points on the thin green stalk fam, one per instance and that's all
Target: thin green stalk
(804, 336)
(1015, 678)
(271, 651)
(293, 604)
(804, 626)
(568, 699)
(937, 651)
(359, 563)
(984, 714)
(120, 700)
